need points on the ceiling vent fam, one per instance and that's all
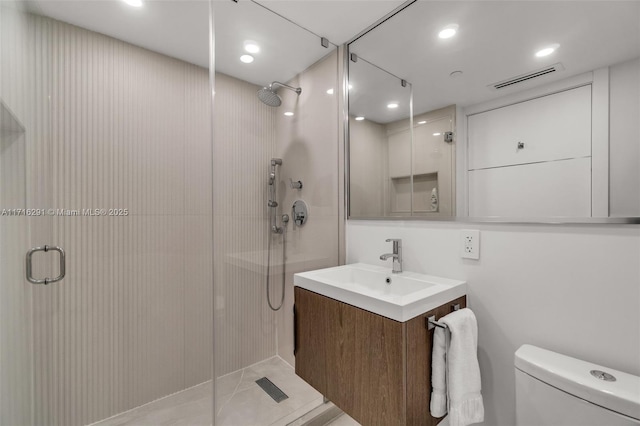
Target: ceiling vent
(526, 77)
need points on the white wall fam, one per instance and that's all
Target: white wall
(624, 139)
(570, 289)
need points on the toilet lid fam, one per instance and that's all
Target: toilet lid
(574, 376)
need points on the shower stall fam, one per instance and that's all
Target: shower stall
(275, 143)
(148, 205)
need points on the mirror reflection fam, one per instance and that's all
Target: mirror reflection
(542, 99)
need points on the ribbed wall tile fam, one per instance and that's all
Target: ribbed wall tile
(110, 125)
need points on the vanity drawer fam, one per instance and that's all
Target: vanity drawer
(552, 127)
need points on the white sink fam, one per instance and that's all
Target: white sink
(406, 296)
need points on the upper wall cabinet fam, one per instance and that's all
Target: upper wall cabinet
(512, 115)
(532, 159)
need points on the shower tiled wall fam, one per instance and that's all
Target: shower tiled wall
(110, 125)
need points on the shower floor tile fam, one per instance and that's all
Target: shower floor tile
(240, 401)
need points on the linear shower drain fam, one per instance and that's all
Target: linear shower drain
(272, 390)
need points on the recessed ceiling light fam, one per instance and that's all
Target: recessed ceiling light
(288, 113)
(437, 134)
(456, 74)
(247, 59)
(448, 31)
(422, 122)
(392, 105)
(134, 3)
(251, 46)
(359, 118)
(547, 50)
(330, 92)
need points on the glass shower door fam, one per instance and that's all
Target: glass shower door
(15, 292)
(23, 219)
(106, 153)
(268, 156)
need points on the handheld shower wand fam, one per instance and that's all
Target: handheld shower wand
(275, 229)
(272, 203)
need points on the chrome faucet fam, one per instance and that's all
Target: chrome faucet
(396, 255)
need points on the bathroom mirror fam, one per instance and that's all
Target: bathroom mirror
(381, 177)
(520, 112)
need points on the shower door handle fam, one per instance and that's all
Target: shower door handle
(45, 249)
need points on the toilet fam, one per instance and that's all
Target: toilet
(557, 390)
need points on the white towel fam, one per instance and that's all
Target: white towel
(438, 373)
(461, 373)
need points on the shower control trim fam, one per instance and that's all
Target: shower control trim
(295, 185)
(299, 212)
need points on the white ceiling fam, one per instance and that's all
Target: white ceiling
(180, 28)
(175, 28)
(496, 40)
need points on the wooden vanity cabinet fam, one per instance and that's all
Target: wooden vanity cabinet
(375, 369)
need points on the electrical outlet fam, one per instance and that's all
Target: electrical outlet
(470, 244)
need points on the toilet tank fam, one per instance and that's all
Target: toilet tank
(554, 389)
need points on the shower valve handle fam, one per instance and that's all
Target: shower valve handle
(295, 185)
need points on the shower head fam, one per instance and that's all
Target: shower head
(269, 96)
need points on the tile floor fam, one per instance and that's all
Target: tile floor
(240, 401)
(191, 407)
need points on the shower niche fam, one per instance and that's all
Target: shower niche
(423, 189)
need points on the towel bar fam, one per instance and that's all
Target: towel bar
(432, 323)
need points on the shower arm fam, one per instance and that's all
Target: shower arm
(298, 90)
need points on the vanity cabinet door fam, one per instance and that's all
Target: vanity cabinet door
(418, 348)
(551, 127)
(375, 369)
(352, 356)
